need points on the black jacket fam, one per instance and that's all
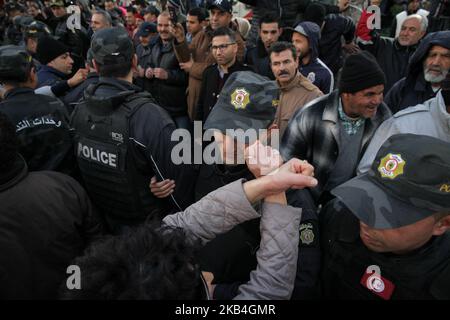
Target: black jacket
(422, 274)
(212, 84)
(46, 220)
(413, 89)
(258, 58)
(150, 131)
(330, 42)
(392, 57)
(42, 125)
(170, 93)
(76, 94)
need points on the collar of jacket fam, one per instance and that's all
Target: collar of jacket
(296, 81)
(399, 47)
(18, 91)
(59, 74)
(261, 49)
(15, 174)
(164, 47)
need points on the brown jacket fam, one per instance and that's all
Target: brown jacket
(294, 96)
(202, 56)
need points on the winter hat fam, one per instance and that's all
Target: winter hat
(360, 71)
(49, 49)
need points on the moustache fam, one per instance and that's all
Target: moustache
(283, 73)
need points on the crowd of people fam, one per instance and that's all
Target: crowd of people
(343, 193)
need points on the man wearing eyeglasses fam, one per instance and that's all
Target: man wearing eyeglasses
(195, 57)
(224, 50)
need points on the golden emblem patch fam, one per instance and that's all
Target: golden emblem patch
(445, 188)
(391, 166)
(240, 98)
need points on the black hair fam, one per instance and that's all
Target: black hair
(269, 18)
(281, 46)
(146, 263)
(9, 144)
(21, 75)
(198, 12)
(316, 13)
(225, 31)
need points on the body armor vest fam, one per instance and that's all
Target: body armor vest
(109, 159)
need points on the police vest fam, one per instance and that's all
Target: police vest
(351, 271)
(108, 160)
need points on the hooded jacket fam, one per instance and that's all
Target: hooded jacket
(413, 89)
(316, 70)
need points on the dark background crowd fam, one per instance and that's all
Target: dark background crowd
(93, 92)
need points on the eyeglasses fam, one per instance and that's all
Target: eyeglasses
(222, 46)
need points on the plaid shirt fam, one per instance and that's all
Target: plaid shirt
(313, 135)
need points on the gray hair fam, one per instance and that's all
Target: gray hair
(422, 19)
(106, 16)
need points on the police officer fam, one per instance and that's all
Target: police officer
(123, 139)
(42, 122)
(385, 236)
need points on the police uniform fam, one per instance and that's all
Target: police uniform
(42, 122)
(122, 139)
(405, 185)
(248, 100)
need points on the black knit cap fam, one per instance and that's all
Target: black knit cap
(49, 49)
(360, 71)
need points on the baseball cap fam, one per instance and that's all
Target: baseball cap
(222, 5)
(408, 181)
(14, 63)
(247, 101)
(112, 46)
(37, 28)
(145, 29)
(57, 3)
(150, 9)
(306, 28)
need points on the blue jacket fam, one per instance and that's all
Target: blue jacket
(48, 76)
(316, 71)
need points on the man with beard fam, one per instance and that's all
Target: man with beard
(306, 38)
(195, 57)
(427, 69)
(224, 50)
(164, 78)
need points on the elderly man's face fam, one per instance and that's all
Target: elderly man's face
(411, 32)
(364, 103)
(401, 240)
(436, 64)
